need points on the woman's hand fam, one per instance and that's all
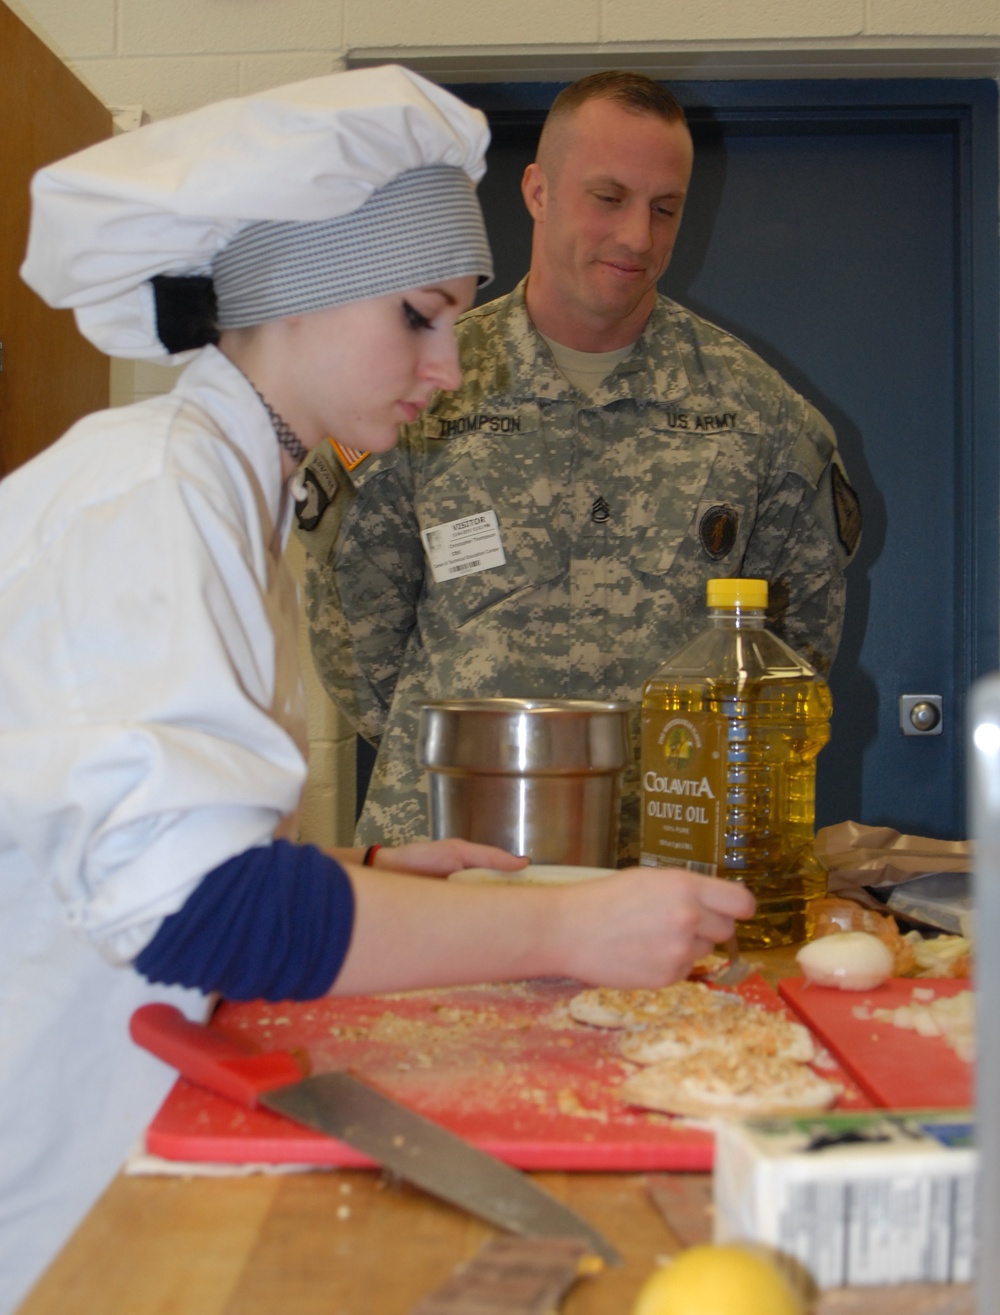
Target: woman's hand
(646, 926)
(439, 858)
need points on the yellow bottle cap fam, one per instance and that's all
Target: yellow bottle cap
(737, 593)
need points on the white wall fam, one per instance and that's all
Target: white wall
(171, 55)
(168, 56)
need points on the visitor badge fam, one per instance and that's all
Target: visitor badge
(464, 547)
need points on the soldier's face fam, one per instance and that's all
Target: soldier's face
(360, 371)
(608, 209)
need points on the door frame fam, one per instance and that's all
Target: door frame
(50, 375)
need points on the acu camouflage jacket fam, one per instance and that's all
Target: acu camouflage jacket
(571, 536)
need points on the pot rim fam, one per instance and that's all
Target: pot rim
(543, 706)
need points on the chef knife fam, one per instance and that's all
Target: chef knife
(341, 1105)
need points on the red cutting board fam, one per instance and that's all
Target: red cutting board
(503, 1066)
(895, 1068)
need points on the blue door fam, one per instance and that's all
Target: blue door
(848, 231)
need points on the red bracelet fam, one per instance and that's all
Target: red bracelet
(369, 859)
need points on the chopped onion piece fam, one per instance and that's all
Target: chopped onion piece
(925, 1023)
(850, 960)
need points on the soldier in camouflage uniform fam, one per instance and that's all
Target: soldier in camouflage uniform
(536, 537)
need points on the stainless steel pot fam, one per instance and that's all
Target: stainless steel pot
(536, 776)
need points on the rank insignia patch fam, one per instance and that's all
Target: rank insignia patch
(717, 530)
(600, 511)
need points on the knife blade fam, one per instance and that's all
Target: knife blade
(343, 1106)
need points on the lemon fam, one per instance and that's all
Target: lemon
(718, 1280)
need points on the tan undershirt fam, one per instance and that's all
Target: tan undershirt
(586, 370)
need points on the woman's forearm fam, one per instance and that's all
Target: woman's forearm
(639, 927)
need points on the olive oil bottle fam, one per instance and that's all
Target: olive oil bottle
(731, 726)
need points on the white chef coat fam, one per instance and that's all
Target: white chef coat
(151, 726)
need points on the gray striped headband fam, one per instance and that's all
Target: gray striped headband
(422, 227)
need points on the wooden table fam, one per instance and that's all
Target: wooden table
(333, 1243)
(339, 1243)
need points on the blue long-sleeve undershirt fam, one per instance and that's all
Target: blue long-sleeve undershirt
(273, 923)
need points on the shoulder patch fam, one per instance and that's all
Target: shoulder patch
(846, 510)
(349, 456)
(310, 507)
(319, 484)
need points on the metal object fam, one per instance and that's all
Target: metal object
(736, 970)
(921, 714)
(341, 1105)
(984, 826)
(536, 776)
(430, 1157)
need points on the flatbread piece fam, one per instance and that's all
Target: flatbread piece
(741, 1084)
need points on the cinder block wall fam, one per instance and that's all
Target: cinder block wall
(169, 56)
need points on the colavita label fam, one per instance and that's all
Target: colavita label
(683, 789)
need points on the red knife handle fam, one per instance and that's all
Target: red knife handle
(227, 1067)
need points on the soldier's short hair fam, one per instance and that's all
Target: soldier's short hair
(635, 92)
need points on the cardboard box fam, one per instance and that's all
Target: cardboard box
(857, 1198)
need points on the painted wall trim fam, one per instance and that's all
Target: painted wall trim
(877, 57)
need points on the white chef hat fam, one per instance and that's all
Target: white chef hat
(331, 190)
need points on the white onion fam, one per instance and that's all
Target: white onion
(850, 960)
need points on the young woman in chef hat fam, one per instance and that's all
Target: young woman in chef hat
(309, 248)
